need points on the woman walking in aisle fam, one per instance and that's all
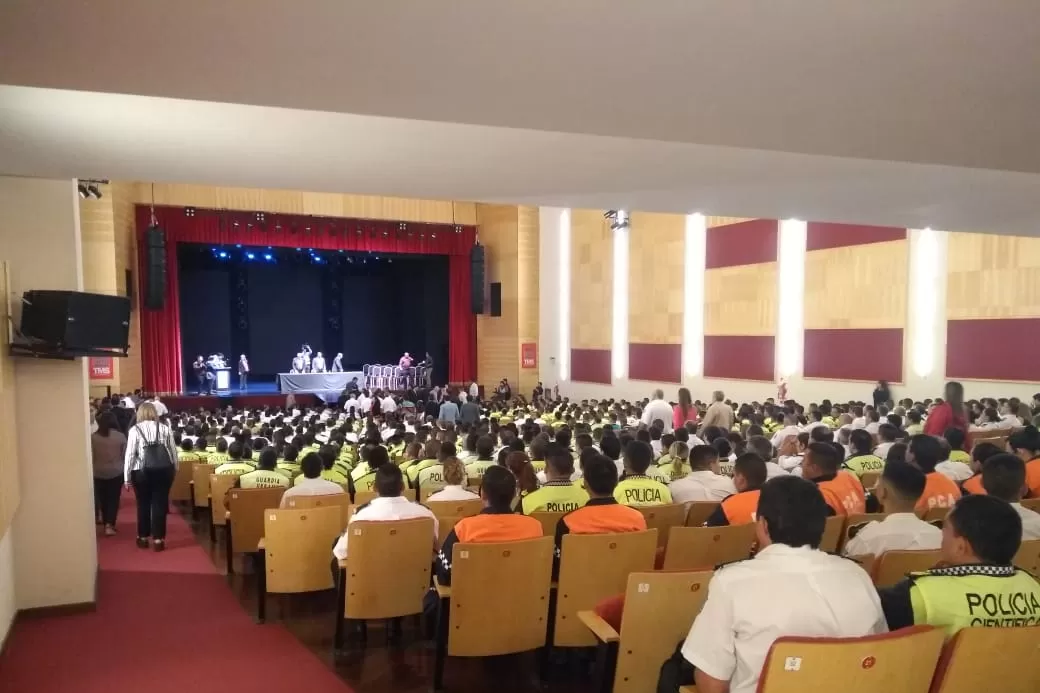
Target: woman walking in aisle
(107, 446)
(150, 465)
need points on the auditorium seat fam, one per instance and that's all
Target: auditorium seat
(340, 500)
(703, 548)
(448, 513)
(663, 518)
(977, 659)
(219, 485)
(699, 512)
(245, 519)
(200, 474)
(386, 573)
(181, 490)
(1028, 556)
(892, 566)
(362, 497)
(832, 533)
(870, 479)
(855, 523)
(548, 521)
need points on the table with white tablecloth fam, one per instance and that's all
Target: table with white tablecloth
(325, 385)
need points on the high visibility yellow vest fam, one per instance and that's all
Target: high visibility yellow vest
(478, 467)
(359, 471)
(947, 600)
(334, 476)
(263, 478)
(864, 463)
(555, 496)
(960, 456)
(366, 482)
(641, 490)
(432, 477)
(658, 473)
(234, 468)
(413, 471)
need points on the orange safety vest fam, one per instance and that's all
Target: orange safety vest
(488, 528)
(741, 508)
(974, 486)
(604, 518)
(939, 492)
(845, 494)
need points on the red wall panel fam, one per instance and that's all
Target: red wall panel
(747, 243)
(854, 354)
(659, 362)
(821, 235)
(993, 349)
(739, 357)
(590, 365)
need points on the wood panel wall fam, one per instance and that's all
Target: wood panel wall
(9, 495)
(656, 278)
(498, 337)
(861, 286)
(527, 290)
(592, 280)
(741, 300)
(991, 276)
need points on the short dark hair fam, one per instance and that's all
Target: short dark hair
(861, 441)
(311, 465)
(927, 452)
(1004, 477)
(821, 434)
(601, 475)
(701, 456)
(638, 456)
(955, 437)
(751, 467)
(377, 457)
(328, 454)
(904, 479)
(983, 451)
(761, 446)
(990, 526)
(1026, 439)
(794, 511)
(825, 457)
(485, 447)
(611, 447)
(499, 487)
(389, 481)
(559, 458)
(268, 459)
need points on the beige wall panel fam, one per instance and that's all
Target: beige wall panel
(712, 222)
(741, 300)
(592, 277)
(655, 278)
(318, 204)
(498, 351)
(127, 371)
(990, 276)
(528, 239)
(861, 286)
(9, 496)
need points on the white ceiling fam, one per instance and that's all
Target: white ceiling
(885, 112)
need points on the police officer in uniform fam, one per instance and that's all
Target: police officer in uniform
(636, 488)
(749, 473)
(976, 583)
(823, 595)
(558, 494)
(266, 475)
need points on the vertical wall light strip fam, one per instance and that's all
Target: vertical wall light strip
(924, 306)
(693, 294)
(619, 341)
(791, 290)
(564, 296)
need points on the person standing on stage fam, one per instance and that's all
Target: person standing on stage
(318, 363)
(306, 352)
(337, 363)
(199, 367)
(297, 363)
(406, 361)
(243, 372)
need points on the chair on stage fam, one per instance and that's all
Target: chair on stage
(413, 378)
(387, 377)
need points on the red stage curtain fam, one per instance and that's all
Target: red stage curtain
(160, 329)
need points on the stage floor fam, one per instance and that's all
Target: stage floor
(259, 394)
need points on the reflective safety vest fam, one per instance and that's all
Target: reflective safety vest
(332, 475)
(555, 497)
(844, 493)
(263, 478)
(741, 508)
(432, 477)
(478, 467)
(974, 486)
(365, 483)
(670, 472)
(234, 468)
(359, 471)
(658, 474)
(641, 490)
(864, 463)
(960, 456)
(413, 471)
(978, 595)
(939, 492)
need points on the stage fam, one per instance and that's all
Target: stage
(261, 394)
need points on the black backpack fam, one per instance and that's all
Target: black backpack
(156, 454)
(675, 672)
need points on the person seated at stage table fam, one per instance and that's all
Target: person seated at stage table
(337, 365)
(311, 483)
(318, 363)
(297, 364)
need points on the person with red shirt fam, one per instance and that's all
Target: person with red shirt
(949, 414)
(683, 411)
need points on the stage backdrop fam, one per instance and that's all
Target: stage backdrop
(164, 364)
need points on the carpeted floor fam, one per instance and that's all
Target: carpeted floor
(165, 623)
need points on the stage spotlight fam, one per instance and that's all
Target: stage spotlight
(238, 245)
(236, 224)
(223, 255)
(189, 211)
(268, 257)
(82, 190)
(299, 250)
(250, 256)
(94, 191)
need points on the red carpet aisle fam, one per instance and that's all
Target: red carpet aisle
(165, 623)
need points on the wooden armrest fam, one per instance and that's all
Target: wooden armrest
(603, 631)
(260, 544)
(687, 689)
(443, 591)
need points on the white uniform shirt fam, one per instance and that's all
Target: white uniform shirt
(1030, 521)
(351, 403)
(774, 470)
(954, 471)
(311, 487)
(702, 485)
(388, 404)
(364, 404)
(783, 434)
(859, 422)
(318, 364)
(872, 427)
(882, 450)
(823, 596)
(385, 509)
(474, 391)
(897, 532)
(813, 424)
(160, 408)
(453, 493)
(658, 410)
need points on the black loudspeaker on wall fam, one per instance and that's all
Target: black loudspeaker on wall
(75, 321)
(476, 276)
(496, 299)
(155, 274)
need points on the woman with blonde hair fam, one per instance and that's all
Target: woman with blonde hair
(455, 483)
(149, 466)
(679, 467)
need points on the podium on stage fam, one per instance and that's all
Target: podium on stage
(223, 382)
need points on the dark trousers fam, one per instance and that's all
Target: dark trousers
(106, 498)
(243, 381)
(202, 384)
(152, 489)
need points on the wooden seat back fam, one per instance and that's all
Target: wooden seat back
(428, 490)
(899, 662)
(339, 500)
(892, 566)
(298, 544)
(703, 548)
(663, 518)
(870, 479)
(362, 497)
(998, 439)
(936, 516)
(388, 568)
(699, 512)
(520, 570)
(855, 523)
(219, 485)
(1032, 503)
(448, 513)
(1028, 556)
(592, 568)
(181, 488)
(659, 608)
(200, 483)
(548, 520)
(977, 659)
(832, 532)
(247, 507)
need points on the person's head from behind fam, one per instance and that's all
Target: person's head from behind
(955, 437)
(600, 476)
(1004, 477)
(896, 453)
(147, 412)
(446, 451)
(638, 457)
(900, 486)
(888, 433)
(861, 442)
(268, 459)
(718, 395)
(454, 472)
(328, 454)
(981, 529)
(611, 447)
(821, 434)
(559, 464)
(485, 447)
(925, 452)
(749, 472)
(791, 511)
(236, 450)
(982, 452)
(704, 458)
(1025, 443)
(498, 488)
(761, 446)
(821, 460)
(311, 465)
(389, 479)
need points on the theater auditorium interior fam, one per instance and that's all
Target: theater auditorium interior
(572, 206)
